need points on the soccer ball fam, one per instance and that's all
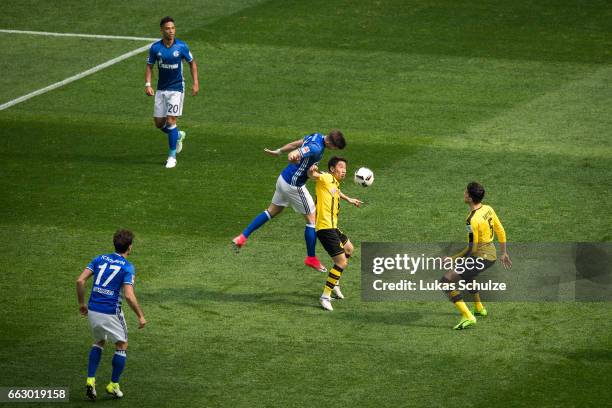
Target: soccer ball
(364, 177)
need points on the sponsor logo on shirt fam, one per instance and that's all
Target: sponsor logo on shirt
(103, 291)
(111, 260)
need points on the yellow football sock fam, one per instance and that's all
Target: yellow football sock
(465, 312)
(332, 280)
(477, 303)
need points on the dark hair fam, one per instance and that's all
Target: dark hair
(337, 138)
(334, 161)
(165, 20)
(122, 240)
(476, 191)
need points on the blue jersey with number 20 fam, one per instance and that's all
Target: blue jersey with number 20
(110, 273)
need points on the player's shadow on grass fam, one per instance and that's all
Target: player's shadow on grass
(188, 295)
(411, 318)
(138, 160)
(588, 355)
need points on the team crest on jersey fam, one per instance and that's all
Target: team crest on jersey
(305, 149)
(175, 53)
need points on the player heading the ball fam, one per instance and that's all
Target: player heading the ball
(291, 189)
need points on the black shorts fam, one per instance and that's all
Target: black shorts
(333, 240)
(474, 267)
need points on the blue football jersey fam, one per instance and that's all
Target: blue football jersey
(170, 64)
(110, 273)
(312, 151)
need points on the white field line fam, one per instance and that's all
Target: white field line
(48, 34)
(81, 74)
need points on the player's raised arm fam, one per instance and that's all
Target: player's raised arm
(130, 297)
(80, 288)
(193, 67)
(286, 148)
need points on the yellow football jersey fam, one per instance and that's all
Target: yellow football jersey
(328, 201)
(482, 224)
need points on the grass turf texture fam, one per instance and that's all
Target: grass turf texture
(431, 95)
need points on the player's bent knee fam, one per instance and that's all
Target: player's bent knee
(341, 261)
(348, 248)
(121, 345)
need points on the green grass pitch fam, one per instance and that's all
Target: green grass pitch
(431, 94)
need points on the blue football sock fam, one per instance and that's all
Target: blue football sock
(95, 355)
(310, 235)
(118, 365)
(257, 222)
(173, 135)
(164, 129)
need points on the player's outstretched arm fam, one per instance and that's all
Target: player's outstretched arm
(130, 297)
(80, 288)
(354, 201)
(286, 148)
(193, 67)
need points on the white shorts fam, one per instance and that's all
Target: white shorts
(168, 103)
(107, 327)
(298, 197)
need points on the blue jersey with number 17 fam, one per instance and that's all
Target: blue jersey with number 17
(312, 151)
(110, 273)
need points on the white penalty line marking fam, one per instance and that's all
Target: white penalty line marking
(79, 75)
(49, 34)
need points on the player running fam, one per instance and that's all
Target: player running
(169, 53)
(291, 189)
(481, 224)
(335, 242)
(112, 273)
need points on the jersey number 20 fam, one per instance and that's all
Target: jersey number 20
(173, 108)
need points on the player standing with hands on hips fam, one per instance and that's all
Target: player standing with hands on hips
(169, 53)
(112, 273)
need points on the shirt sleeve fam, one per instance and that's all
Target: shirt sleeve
(499, 228)
(92, 264)
(187, 53)
(309, 149)
(326, 178)
(152, 57)
(128, 278)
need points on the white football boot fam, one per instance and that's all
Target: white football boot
(171, 162)
(337, 293)
(179, 142)
(326, 303)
